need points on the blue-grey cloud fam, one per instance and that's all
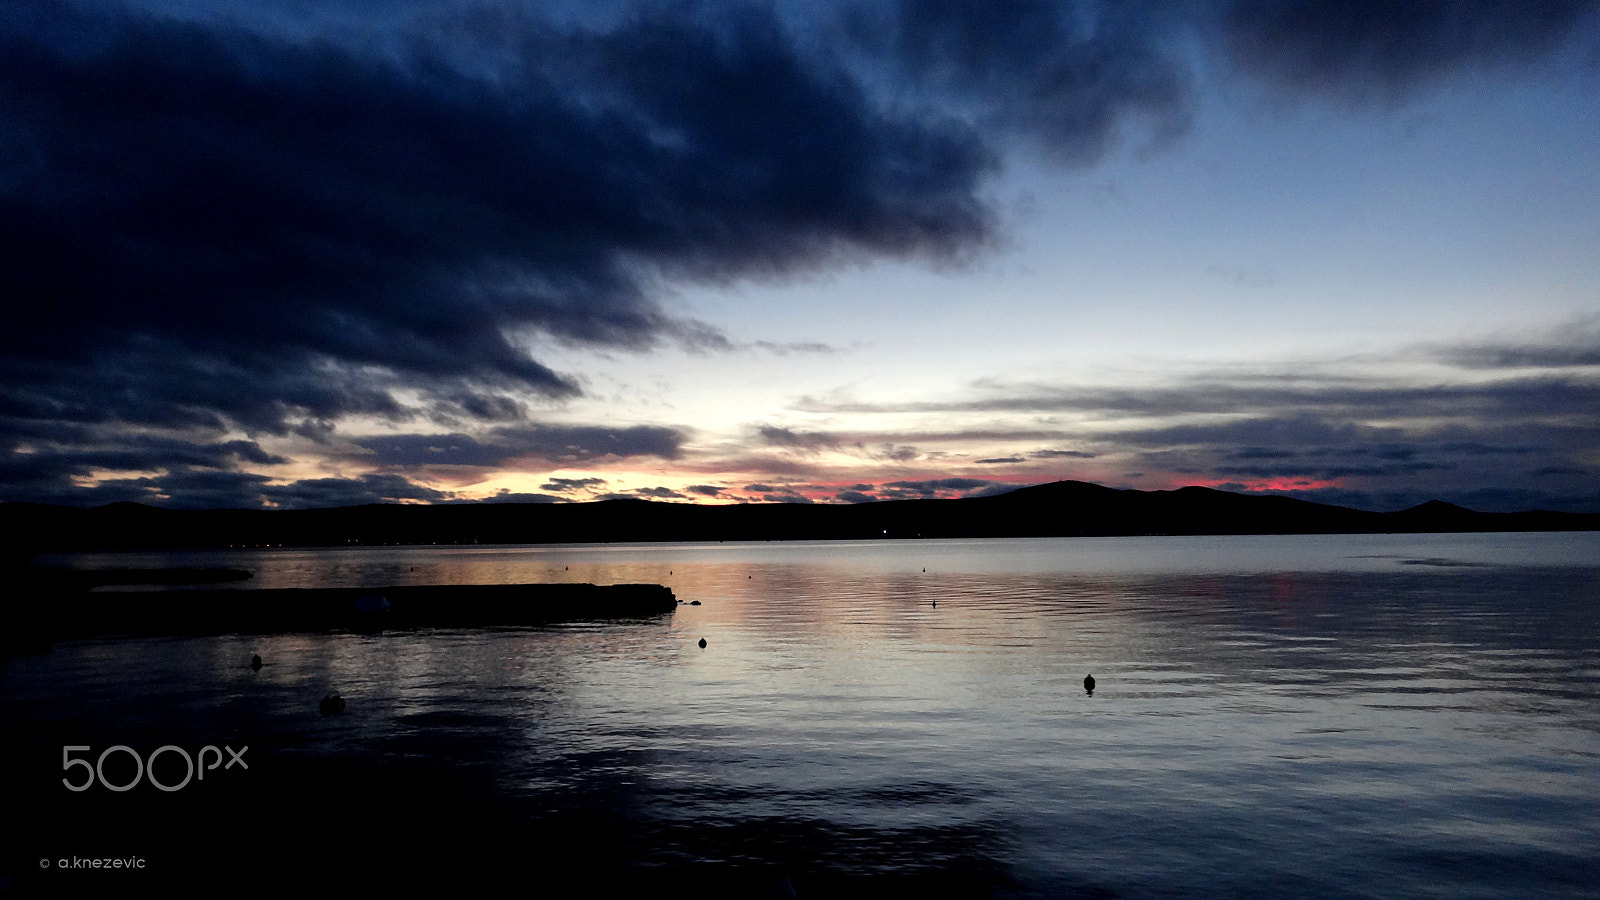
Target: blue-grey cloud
(213, 489)
(934, 487)
(1382, 51)
(1070, 75)
(774, 436)
(1541, 395)
(50, 465)
(221, 222)
(1576, 345)
(371, 488)
(508, 496)
(563, 444)
(786, 497)
(567, 485)
(316, 225)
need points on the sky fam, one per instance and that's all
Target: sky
(309, 253)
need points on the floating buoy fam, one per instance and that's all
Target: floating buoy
(1088, 684)
(694, 602)
(702, 643)
(255, 661)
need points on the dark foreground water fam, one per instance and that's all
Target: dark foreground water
(1360, 716)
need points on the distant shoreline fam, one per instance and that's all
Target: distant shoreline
(1059, 509)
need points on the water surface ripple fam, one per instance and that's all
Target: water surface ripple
(1363, 716)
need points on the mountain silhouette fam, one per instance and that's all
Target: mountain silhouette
(1058, 509)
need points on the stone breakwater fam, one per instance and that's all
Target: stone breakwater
(73, 615)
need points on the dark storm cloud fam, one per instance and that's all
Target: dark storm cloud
(660, 493)
(249, 222)
(705, 490)
(564, 485)
(871, 441)
(800, 347)
(774, 436)
(548, 443)
(1264, 431)
(144, 453)
(1071, 75)
(1561, 470)
(893, 453)
(1384, 50)
(374, 488)
(1552, 395)
(1329, 446)
(435, 450)
(1000, 459)
(211, 489)
(1328, 472)
(935, 487)
(508, 496)
(315, 225)
(1369, 434)
(854, 497)
(787, 498)
(1576, 346)
(44, 467)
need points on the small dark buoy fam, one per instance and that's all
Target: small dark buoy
(255, 661)
(694, 602)
(702, 643)
(331, 705)
(924, 568)
(935, 604)
(1088, 684)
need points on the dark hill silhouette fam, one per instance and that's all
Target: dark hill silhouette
(1059, 509)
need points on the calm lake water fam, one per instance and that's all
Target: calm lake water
(1307, 716)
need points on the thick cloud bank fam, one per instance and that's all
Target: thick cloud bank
(220, 224)
(309, 225)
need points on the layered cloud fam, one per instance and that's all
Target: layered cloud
(554, 444)
(1498, 424)
(243, 247)
(203, 224)
(1381, 52)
